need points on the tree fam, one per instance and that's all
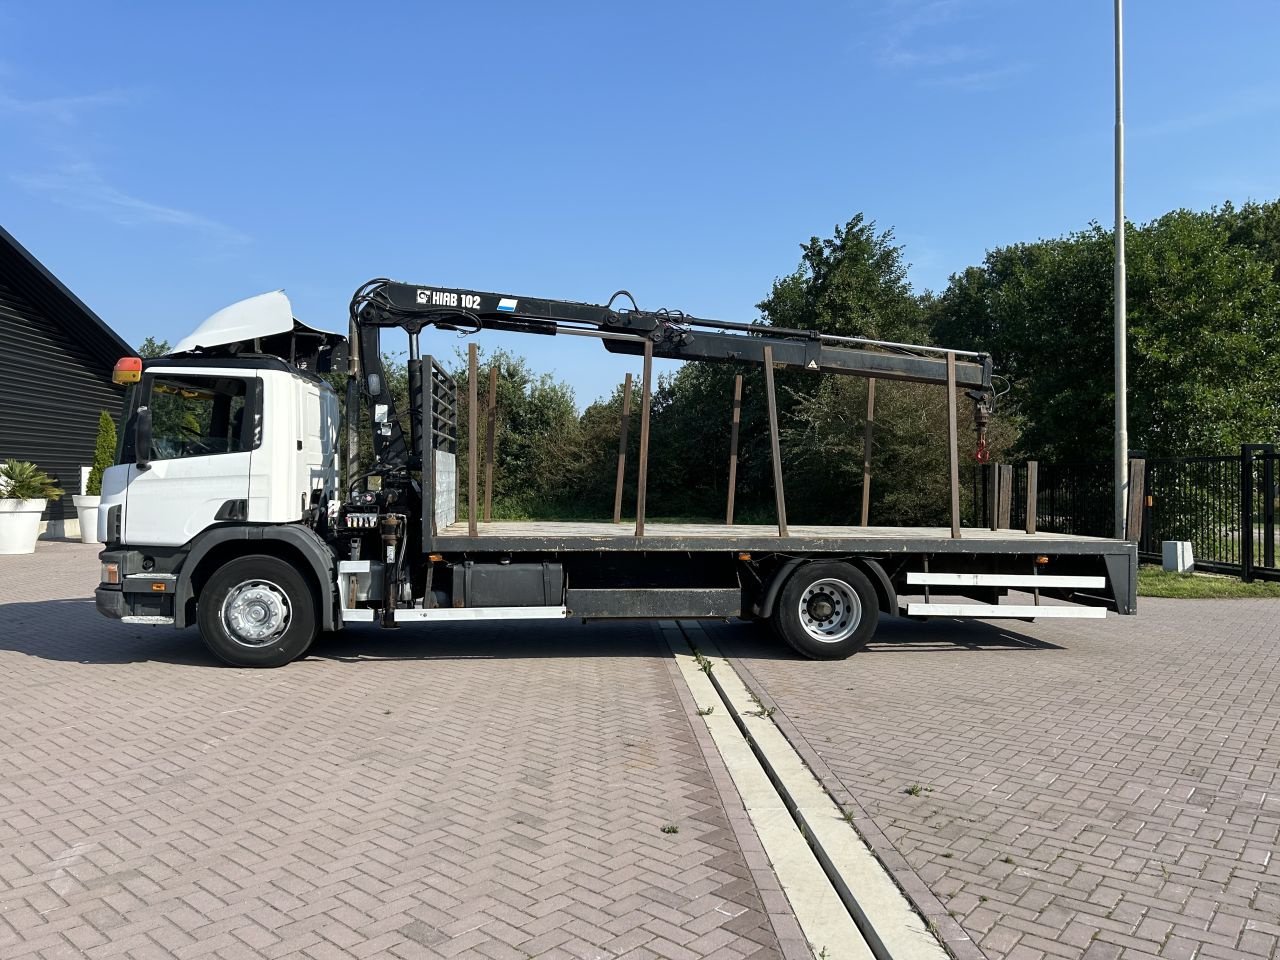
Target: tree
(104, 453)
(538, 448)
(855, 283)
(1043, 311)
(152, 348)
(1204, 333)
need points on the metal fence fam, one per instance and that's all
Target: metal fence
(1225, 506)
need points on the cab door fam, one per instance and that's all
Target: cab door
(203, 434)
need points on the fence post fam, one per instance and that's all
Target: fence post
(1033, 494)
(993, 498)
(1269, 506)
(1246, 513)
(1006, 496)
(1137, 495)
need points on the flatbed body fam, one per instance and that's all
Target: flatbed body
(577, 535)
(717, 569)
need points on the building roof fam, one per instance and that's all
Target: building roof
(30, 277)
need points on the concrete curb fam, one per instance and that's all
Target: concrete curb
(953, 936)
(791, 939)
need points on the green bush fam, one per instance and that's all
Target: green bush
(104, 453)
(23, 480)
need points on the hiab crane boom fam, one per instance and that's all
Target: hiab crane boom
(226, 510)
(672, 334)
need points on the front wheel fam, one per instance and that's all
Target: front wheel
(826, 610)
(257, 611)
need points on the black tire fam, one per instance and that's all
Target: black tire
(256, 595)
(826, 610)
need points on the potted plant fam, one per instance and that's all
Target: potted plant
(24, 491)
(104, 455)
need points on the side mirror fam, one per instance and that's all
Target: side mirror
(142, 438)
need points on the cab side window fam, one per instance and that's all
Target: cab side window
(198, 416)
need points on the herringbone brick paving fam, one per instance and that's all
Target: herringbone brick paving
(460, 792)
(1099, 789)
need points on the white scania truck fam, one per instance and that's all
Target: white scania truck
(225, 510)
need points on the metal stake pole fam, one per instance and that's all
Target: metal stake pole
(775, 443)
(645, 396)
(490, 443)
(866, 450)
(953, 445)
(733, 446)
(473, 400)
(622, 449)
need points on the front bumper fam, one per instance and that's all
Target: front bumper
(110, 602)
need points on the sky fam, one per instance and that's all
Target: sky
(166, 159)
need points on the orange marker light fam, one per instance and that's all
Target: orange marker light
(127, 370)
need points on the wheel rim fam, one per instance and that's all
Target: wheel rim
(255, 613)
(830, 610)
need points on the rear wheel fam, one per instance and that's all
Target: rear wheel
(257, 611)
(826, 610)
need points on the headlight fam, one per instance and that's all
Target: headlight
(111, 573)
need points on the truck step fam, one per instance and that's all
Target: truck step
(1019, 581)
(456, 614)
(989, 611)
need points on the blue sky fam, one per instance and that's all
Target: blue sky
(165, 159)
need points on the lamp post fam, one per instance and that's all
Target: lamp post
(1122, 406)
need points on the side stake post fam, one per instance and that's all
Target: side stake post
(645, 392)
(733, 447)
(866, 450)
(622, 449)
(775, 445)
(953, 446)
(473, 400)
(490, 442)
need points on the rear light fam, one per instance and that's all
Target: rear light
(111, 573)
(127, 370)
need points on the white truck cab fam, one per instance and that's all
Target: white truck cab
(247, 440)
(224, 443)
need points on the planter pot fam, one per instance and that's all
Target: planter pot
(20, 525)
(87, 511)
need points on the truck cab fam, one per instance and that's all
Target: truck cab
(227, 450)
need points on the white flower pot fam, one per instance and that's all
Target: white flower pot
(87, 511)
(20, 525)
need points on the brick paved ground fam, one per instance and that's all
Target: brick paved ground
(468, 792)
(1098, 789)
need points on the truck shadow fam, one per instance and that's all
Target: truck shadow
(71, 630)
(894, 635)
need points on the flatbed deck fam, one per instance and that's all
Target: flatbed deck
(573, 535)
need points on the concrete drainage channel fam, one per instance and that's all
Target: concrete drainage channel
(847, 905)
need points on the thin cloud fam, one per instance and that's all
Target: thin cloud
(911, 43)
(935, 57)
(80, 187)
(58, 109)
(1239, 106)
(978, 79)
